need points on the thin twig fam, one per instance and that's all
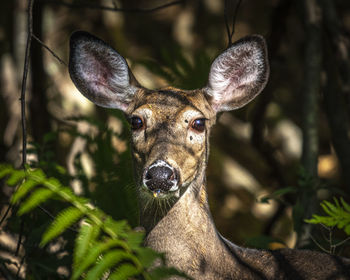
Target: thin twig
(19, 243)
(114, 9)
(50, 51)
(53, 217)
(319, 245)
(234, 17)
(22, 260)
(6, 213)
(24, 81)
(342, 242)
(227, 25)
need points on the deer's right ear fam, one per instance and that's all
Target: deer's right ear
(99, 72)
(239, 74)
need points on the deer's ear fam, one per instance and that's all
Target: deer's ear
(239, 74)
(99, 72)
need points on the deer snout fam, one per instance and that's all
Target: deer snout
(161, 177)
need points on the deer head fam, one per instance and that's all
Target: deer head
(170, 127)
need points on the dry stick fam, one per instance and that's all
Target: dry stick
(311, 89)
(24, 81)
(235, 17)
(230, 33)
(227, 26)
(114, 9)
(23, 106)
(50, 51)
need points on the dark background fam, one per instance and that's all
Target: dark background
(293, 139)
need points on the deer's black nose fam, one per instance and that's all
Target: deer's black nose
(160, 176)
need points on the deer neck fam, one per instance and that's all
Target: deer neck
(187, 234)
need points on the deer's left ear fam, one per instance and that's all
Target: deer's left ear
(239, 74)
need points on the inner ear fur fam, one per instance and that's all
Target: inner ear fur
(99, 72)
(239, 74)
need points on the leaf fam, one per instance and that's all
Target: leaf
(64, 219)
(86, 236)
(338, 215)
(16, 177)
(347, 229)
(345, 205)
(124, 271)
(147, 256)
(23, 189)
(93, 254)
(5, 170)
(54, 184)
(118, 227)
(275, 194)
(34, 200)
(135, 239)
(37, 175)
(107, 262)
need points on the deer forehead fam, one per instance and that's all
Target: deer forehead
(171, 104)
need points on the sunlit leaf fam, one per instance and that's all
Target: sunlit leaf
(64, 219)
(38, 197)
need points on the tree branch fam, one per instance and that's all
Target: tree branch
(113, 9)
(24, 81)
(309, 99)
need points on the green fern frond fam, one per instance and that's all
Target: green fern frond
(338, 215)
(15, 177)
(103, 245)
(92, 255)
(108, 261)
(86, 237)
(24, 188)
(64, 220)
(37, 197)
(345, 205)
(5, 170)
(135, 239)
(124, 272)
(119, 228)
(147, 256)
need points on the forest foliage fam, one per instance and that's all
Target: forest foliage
(279, 169)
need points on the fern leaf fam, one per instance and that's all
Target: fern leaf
(86, 236)
(325, 206)
(93, 254)
(124, 272)
(118, 227)
(345, 205)
(23, 190)
(347, 229)
(5, 170)
(64, 219)
(15, 177)
(107, 262)
(53, 184)
(38, 197)
(37, 175)
(147, 256)
(135, 239)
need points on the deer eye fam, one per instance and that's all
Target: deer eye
(198, 125)
(136, 123)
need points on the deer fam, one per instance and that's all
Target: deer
(170, 130)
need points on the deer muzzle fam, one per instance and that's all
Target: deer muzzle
(161, 178)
